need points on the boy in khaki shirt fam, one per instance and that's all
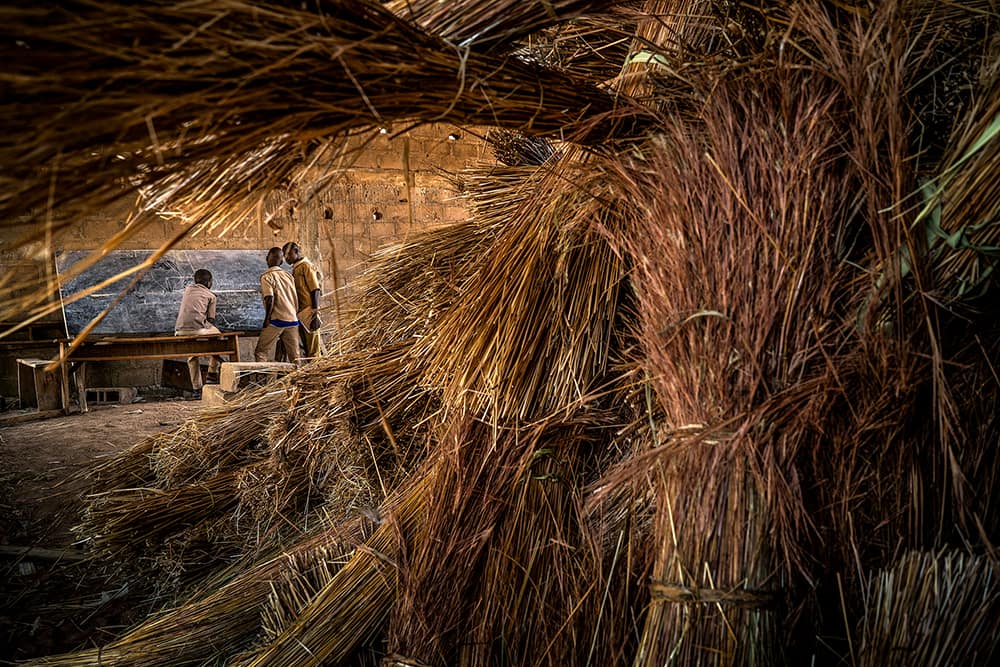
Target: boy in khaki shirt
(278, 291)
(196, 317)
(307, 291)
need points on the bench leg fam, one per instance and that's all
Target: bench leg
(81, 385)
(64, 384)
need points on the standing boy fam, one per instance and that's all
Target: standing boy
(278, 291)
(307, 292)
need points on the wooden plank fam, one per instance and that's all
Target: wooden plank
(108, 340)
(24, 417)
(6, 344)
(166, 347)
(64, 383)
(36, 332)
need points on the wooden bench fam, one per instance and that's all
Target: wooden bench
(37, 387)
(129, 348)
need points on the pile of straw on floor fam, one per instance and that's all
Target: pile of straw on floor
(708, 377)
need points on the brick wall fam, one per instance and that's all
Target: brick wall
(394, 187)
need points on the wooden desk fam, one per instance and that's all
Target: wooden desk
(127, 348)
(37, 332)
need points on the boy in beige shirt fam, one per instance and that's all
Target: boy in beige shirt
(280, 321)
(195, 317)
(307, 293)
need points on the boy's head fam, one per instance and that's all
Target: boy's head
(291, 252)
(274, 256)
(203, 277)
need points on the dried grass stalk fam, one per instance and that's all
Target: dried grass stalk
(931, 609)
(484, 25)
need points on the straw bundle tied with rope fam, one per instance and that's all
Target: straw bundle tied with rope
(716, 342)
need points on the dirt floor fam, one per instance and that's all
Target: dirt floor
(52, 603)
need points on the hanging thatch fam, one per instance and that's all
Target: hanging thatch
(180, 94)
(667, 396)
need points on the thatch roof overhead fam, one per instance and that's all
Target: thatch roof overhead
(208, 101)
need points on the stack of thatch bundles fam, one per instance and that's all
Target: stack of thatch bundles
(234, 479)
(672, 398)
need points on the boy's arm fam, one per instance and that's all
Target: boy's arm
(268, 307)
(314, 320)
(312, 283)
(268, 295)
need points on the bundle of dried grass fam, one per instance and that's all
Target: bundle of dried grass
(223, 486)
(222, 616)
(457, 518)
(307, 575)
(548, 277)
(755, 356)
(724, 341)
(214, 440)
(471, 496)
(549, 581)
(960, 211)
(352, 606)
(917, 336)
(515, 149)
(409, 285)
(206, 90)
(174, 486)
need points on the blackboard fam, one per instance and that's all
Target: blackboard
(151, 306)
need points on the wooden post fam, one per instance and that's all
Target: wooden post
(64, 375)
(80, 373)
(408, 178)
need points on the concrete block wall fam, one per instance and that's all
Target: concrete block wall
(393, 188)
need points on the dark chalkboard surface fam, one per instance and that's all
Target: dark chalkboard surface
(151, 305)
